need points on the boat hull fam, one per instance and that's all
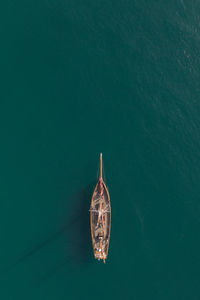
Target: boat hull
(100, 218)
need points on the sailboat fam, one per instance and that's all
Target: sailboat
(100, 218)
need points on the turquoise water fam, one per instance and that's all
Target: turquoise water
(83, 77)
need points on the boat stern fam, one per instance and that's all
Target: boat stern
(100, 255)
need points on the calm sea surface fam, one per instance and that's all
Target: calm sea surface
(83, 77)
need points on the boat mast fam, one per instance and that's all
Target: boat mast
(100, 166)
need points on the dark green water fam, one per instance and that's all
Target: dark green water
(83, 77)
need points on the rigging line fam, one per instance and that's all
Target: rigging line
(104, 173)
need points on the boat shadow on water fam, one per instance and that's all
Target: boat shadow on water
(78, 237)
